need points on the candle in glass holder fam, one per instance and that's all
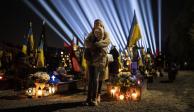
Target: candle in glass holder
(113, 91)
(134, 95)
(39, 92)
(121, 97)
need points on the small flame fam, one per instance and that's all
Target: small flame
(121, 97)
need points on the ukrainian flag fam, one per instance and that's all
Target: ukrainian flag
(24, 45)
(40, 60)
(134, 34)
(31, 38)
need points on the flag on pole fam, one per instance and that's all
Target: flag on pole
(30, 39)
(40, 60)
(24, 45)
(134, 34)
(41, 48)
(43, 38)
(74, 60)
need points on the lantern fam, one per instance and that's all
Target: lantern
(121, 97)
(135, 93)
(127, 95)
(39, 92)
(113, 91)
(117, 95)
(52, 89)
(45, 91)
(30, 91)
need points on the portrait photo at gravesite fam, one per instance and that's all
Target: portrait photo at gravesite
(97, 56)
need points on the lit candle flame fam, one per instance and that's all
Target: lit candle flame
(121, 97)
(113, 91)
(134, 95)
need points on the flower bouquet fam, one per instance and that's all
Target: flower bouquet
(40, 77)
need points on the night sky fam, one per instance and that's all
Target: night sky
(15, 16)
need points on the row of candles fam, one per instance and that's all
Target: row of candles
(41, 90)
(132, 93)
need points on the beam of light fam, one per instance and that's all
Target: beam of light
(146, 25)
(98, 15)
(63, 11)
(84, 14)
(76, 17)
(110, 26)
(146, 38)
(90, 14)
(159, 23)
(56, 18)
(113, 24)
(102, 14)
(117, 22)
(122, 14)
(83, 22)
(32, 7)
(129, 12)
(148, 21)
(150, 16)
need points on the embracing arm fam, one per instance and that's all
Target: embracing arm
(103, 42)
(88, 42)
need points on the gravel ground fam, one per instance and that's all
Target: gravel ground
(161, 96)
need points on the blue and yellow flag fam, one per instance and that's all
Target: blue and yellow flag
(40, 54)
(134, 34)
(24, 45)
(42, 49)
(30, 39)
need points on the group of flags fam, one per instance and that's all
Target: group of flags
(28, 47)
